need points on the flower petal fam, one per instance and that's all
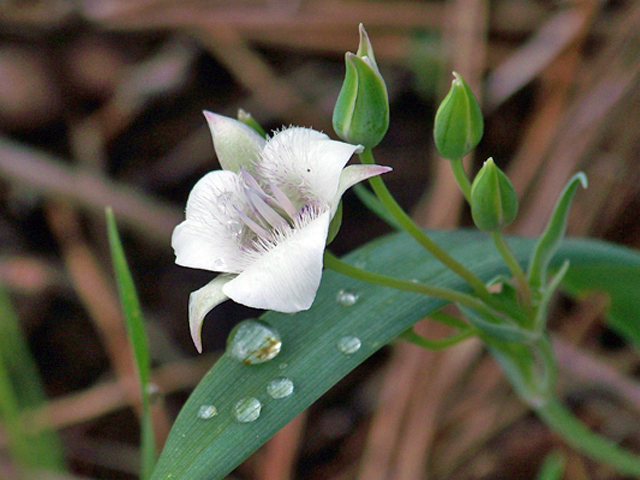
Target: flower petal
(208, 238)
(236, 144)
(201, 302)
(355, 174)
(285, 278)
(307, 160)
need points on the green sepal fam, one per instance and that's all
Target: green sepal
(246, 118)
(494, 202)
(334, 226)
(458, 125)
(551, 238)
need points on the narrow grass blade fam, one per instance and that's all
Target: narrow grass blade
(21, 389)
(137, 337)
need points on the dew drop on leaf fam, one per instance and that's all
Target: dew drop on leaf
(280, 387)
(347, 298)
(252, 342)
(349, 344)
(247, 410)
(207, 411)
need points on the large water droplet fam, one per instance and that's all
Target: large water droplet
(349, 344)
(207, 411)
(280, 387)
(347, 298)
(252, 342)
(247, 410)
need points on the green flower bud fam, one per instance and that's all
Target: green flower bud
(361, 114)
(458, 125)
(494, 203)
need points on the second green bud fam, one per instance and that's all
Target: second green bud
(458, 126)
(494, 203)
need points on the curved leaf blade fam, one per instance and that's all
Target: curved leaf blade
(199, 449)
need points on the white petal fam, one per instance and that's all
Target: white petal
(285, 278)
(201, 302)
(208, 239)
(355, 174)
(236, 144)
(306, 159)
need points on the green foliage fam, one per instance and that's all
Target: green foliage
(21, 390)
(137, 337)
(551, 238)
(210, 448)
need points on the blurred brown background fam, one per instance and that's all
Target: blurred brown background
(100, 104)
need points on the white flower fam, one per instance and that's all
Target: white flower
(262, 221)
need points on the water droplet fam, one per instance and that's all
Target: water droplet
(247, 410)
(283, 365)
(235, 226)
(252, 342)
(360, 263)
(280, 387)
(347, 298)
(349, 344)
(207, 411)
(153, 391)
(219, 264)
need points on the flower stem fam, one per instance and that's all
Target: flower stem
(516, 271)
(578, 435)
(461, 178)
(411, 336)
(410, 227)
(334, 263)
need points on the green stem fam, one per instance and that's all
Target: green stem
(334, 263)
(412, 337)
(578, 435)
(461, 178)
(449, 320)
(416, 232)
(516, 271)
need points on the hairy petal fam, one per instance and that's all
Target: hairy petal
(306, 159)
(237, 145)
(201, 302)
(207, 239)
(355, 174)
(286, 277)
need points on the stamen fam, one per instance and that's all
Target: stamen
(257, 229)
(268, 213)
(252, 183)
(283, 201)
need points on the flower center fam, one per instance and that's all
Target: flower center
(267, 213)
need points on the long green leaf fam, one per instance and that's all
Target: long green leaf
(137, 337)
(207, 449)
(21, 389)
